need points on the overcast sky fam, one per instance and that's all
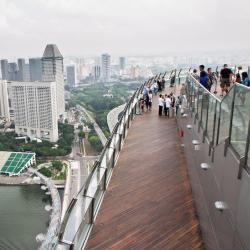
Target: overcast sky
(122, 27)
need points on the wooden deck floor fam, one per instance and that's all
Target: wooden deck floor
(148, 204)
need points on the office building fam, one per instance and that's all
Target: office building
(106, 61)
(21, 66)
(4, 69)
(35, 109)
(71, 76)
(52, 71)
(35, 68)
(122, 63)
(12, 71)
(4, 102)
(97, 72)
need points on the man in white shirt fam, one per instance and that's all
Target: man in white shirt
(161, 102)
(167, 105)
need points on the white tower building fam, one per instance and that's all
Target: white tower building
(35, 109)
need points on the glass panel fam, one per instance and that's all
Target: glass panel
(95, 181)
(199, 101)
(204, 109)
(210, 120)
(77, 215)
(83, 229)
(226, 107)
(240, 121)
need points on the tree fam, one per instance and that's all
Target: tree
(57, 165)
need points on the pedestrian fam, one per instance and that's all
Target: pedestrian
(161, 104)
(238, 75)
(203, 77)
(146, 98)
(177, 105)
(242, 92)
(167, 105)
(141, 102)
(195, 75)
(245, 79)
(211, 78)
(172, 98)
(183, 89)
(150, 99)
(226, 75)
(159, 85)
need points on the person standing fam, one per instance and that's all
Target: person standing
(167, 105)
(150, 99)
(238, 75)
(195, 75)
(161, 104)
(226, 75)
(211, 78)
(203, 77)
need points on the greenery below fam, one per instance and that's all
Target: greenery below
(56, 170)
(93, 99)
(42, 149)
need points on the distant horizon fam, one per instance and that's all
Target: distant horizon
(218, 53)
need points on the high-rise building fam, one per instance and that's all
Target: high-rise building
(97, 72)
(122, 63)
(106, 61)
(12, 72)
(35, 68)
(35, 109)
(4, 69)
(4, 101)
(52, 71)
(21, 66)
(71, 76)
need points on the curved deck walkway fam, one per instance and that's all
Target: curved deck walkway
(148, 204)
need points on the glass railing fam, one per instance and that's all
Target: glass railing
(222, 120)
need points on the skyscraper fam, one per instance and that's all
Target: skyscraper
(97, 72)
(52, 71)
(4, 69)
(12, 72)
(4, 102)
(71, 76)
(35, 109)
(106, 61)
(35, 65)
(21, 66)
(122, 62)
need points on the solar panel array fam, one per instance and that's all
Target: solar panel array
(16, 163)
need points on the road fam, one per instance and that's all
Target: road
(98, 130)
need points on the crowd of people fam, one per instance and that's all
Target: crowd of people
(169, 105)
(226, 77)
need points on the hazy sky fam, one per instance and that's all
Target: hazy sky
(122, 27)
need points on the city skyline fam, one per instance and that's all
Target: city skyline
(156, 27)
